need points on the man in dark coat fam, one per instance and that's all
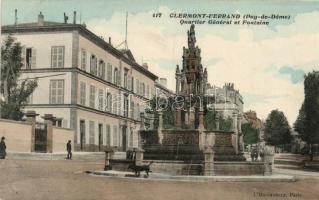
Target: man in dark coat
(69, 149)
(3, 148)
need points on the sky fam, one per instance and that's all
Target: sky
(267, 63)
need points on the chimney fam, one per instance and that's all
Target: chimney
(40, 19)
(145, 65)
(110, 42)
(163, 82)
(74, 17)
(15, 17)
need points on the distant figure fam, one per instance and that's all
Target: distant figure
(3, 148)
(69, 149)
(254, 154)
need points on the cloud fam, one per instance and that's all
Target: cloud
(296, 75)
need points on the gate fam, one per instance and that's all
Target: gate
(40, 138)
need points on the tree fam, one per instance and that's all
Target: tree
(277, 130)
(210, 120)
(299, 124)
(311, 109)
(16, 92)
(251, 135)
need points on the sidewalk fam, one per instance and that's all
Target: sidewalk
(61, 156)
(299, 173)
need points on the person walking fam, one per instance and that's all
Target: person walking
(3, 148)
(69, 149)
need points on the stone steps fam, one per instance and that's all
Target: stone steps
(288, 162)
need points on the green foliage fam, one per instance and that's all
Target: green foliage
(210, 120)
(299, 124)
(168, 113)
(277, 130)
(15, 91)
(225, 124)
(251, 135)
(311, 108)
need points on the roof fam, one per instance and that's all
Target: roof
(162, 87)
(48, 26)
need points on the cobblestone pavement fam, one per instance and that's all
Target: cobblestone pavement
(63, 179)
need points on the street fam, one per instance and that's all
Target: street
(64, 179)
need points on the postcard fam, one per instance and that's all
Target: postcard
(159, 99)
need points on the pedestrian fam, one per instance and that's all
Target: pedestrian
(3, 148)
(69, 149)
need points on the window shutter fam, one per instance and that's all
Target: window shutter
(115, 135)
(137, 87)
(132, 85)
(34, 58)
(23, 54)
(118, 78)
(128, 81)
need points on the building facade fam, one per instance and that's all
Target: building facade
(86, 83)
(227, 100)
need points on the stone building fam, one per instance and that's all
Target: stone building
(84, 82)
(227, 100)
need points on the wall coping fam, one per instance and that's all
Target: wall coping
(15, 122)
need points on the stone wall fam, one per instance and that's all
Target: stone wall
(17, 134)
(60, 138)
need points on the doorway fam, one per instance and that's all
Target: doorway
(100, 136)
(82, 134)
(124, 138)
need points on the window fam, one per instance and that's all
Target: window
(82, 93)
(116, 76)
(147, 91)
(132, 85)
(143, 89)
(93, 65)
(109, 72)
(91, 132)
(30, 59)
(126, 105)
(57, 91)
(92, 96)
(108, 135)
(137, 87)
(83, 59)
(57, 57)
(101, 69)
(57, 122)
(115, 136)
(100, 99)
(131, 137)
(109, 101)
(137, 112)
(132, 110)
(126, 78)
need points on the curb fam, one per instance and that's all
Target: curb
(166, 177)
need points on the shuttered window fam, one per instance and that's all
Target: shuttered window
(57, 91)
(57, 57)
(92, 96)
(91, 132)
(82, 93)
(109, 72)
(115, 136)
(83, 59)
(100, 99)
